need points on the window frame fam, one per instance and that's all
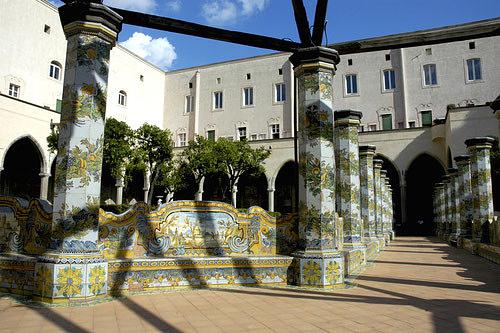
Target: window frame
(282, 92)
(424, 83)
(474, 80)
(391, 80)
(238, 132)
(214, 100)
(208, 137)
(55, 67)
(14, 90)
(191, 104)
(243, 97)
(370, 129)
(382, 116)
(272, 132)
(122, 98)
(346, 93)
(179, 141)
(422, 118)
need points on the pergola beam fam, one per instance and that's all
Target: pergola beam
(204, 31)
(319, 22)
(302, 23)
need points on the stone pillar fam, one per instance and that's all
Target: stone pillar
(385, 209)
(1, 183)
(319, 260)
(482, 195)
(464, 196)
(74, 270)
(347, 197)
(391, 214)
(234, 193)
(199, 194)
(119, 190)
(454, 208)
(270, 194)
(44, 185)
(379, 231)
(366, 177)
(388, 200)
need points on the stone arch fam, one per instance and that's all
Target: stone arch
(43, 159)
(23, 163)
(286, 182)
(394, 175)
(252, 191)
(216, 188)
(420, 177)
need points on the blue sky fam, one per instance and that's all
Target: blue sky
(347, 20)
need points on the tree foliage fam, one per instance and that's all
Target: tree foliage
(152, 153)
(118, 138)
(200, 158)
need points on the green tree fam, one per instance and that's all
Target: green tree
(53, 138)
(171, 176)
(200, 158)
(118, 137)
(152, 153)
(238, 157)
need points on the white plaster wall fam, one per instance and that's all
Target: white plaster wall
(26, 50)
(145, 99)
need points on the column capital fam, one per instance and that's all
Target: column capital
(314, 58)
(91, 17)
(367, 150)
(377, 163)
(452, 172)
(462, 159)
(383, 173)
(480, 141)
(42, 174)
(439, 185)
(347, 117)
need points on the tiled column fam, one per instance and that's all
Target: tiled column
(439, 207)
(348, 186)
(391, 214)
(319, 262)
(367, 192)
(447, 201)
(383, 185)
(388, 199)
(482, 196)
(454, 208)
(379, 230)
(75, 270)
(465, 195)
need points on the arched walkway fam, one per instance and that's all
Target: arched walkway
(134, 185)
(22, 166)
(285, 195)
(422, 174)
(216, 188)
(108, 189)
(393, 174)
(189, 189)
(252, 191)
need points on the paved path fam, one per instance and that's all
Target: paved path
(416, 285)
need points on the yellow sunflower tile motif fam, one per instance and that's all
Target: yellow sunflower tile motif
(70, 281)
(333, 272)
(97, 280)
(311, 272)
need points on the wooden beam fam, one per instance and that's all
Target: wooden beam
(204, 31)
(319, 22)
(302, 23)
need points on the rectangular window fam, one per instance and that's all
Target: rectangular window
(386, 122)
(262, 136)
(474, 69)
(389, 80)
(242, 133)
(361, 128)
(280, 71)
(351, 84)
(253, 137)
(55, 71)
(388, 57)
(230, 138)
(280, 92)
(46, 29)
(218, 100)
(249, 76)
(428, 51)
(275, 131)
(247, 96)
(182, 139)
(426, 118)
(211, 135)
(189, 104)
(14, 90)
(58, 105)
(411, 124)
(372, 127)
(472, 45)
(122, 98)
(349, 62)
(430, 75)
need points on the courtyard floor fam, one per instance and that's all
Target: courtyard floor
(415, 285)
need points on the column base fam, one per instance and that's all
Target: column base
(354, 258)
(381, 242)
(70, 278)
(393, 235)
(319, 269)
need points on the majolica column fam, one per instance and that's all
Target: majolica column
(482, 195)
(465, 195)
(74, 269)
(391, 214)
(379, 230)
(319, 262)
(348, 187)
(366, 177)
(440, 208)
(447, 210)
(383, 187)
(454, 208)
(388, 225)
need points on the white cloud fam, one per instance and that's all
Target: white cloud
(158, 51)
(222, 12)
(250, 6)
(138, 5)
(219, 12)
(174, 5)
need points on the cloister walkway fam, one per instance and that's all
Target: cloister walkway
(415, 285)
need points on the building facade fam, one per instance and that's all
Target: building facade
(404, 95)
